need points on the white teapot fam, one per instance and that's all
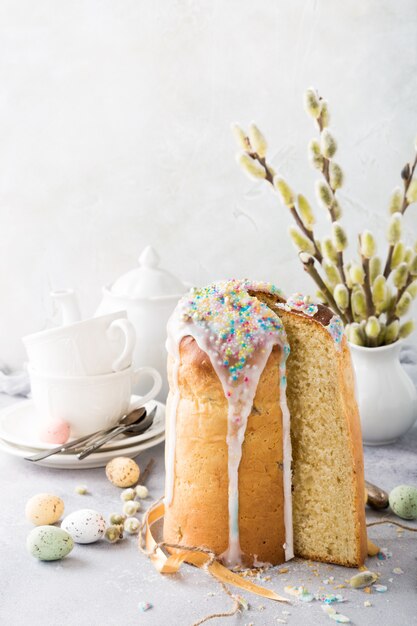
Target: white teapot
(149, 295)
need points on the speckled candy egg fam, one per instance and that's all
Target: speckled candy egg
(403, 501)
(85, 525)
(55, 432)
(122, 472)
(44, 508)
(49, 543)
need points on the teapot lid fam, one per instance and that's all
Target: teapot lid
(148, 280)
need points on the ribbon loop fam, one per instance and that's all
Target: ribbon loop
(195, 556)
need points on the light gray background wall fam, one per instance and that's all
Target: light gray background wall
(114, 133)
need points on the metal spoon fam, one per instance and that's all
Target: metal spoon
(136, 429)
(126, 420)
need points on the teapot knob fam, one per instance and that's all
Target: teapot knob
(149, 257)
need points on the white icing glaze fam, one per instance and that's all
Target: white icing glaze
(217, 331)
(287, 458)
(173, 343)
(336, 330)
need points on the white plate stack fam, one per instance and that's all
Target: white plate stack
(18, 437)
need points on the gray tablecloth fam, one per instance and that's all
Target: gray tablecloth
(102, 584)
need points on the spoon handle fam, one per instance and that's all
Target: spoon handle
(101, 441)
(138, 427)
(64, 447)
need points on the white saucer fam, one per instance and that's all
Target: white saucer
(18, 427)
(70, 461)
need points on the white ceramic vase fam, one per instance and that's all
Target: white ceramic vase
(386, 396)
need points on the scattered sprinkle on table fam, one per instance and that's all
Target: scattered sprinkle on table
(333, 614)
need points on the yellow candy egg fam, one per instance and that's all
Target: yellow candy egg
(44, 509)
(122, 472)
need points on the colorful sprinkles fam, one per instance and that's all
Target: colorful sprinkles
(236, 323)
(298, 302)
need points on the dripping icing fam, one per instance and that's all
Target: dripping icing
(238, 333)
(336, 330)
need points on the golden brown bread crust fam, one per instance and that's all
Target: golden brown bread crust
(347, 385)
(198, 514)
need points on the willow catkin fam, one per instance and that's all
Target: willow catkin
(412, 266)
(336, 175)
(341, 296)
(391, 332)
(315, 156)
(400, 275)
(403, 304)
(241, 138)
(375, 267)
(357, 274)
(394, 228)
(372, 327)
(257, 140)
(329, 250)
(379, 292)
(411, 194)
(356, 335)
(324, 114)
(306, 212)
(412, 289)
(396, 200)
(250, 166)
(336, 209)
(300, 241)
(339, 237)
(398, 255)
(406, 329)
(367, 244)
(285, 191)
(332, 272)
(328, 145)
(312, 102)
(359, 303)
(381, 336)
(324, 194)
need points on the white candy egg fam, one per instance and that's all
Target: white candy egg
(85, 525)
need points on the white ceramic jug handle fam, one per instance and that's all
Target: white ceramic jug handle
(125, 358)
(157, 383)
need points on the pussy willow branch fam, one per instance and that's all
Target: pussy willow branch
(308, 233)
(407, 284)
(309, 266)
(407, 184)
(404, 207)
(340, 259)
(370, 309)
(391, 316)
(311, 270)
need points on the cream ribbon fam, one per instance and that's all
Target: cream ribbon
(170, 564)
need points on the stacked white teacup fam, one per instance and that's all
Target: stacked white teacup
(82, 375)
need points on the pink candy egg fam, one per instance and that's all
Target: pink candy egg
(55, 432)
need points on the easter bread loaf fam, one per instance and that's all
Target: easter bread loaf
(245, 477)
